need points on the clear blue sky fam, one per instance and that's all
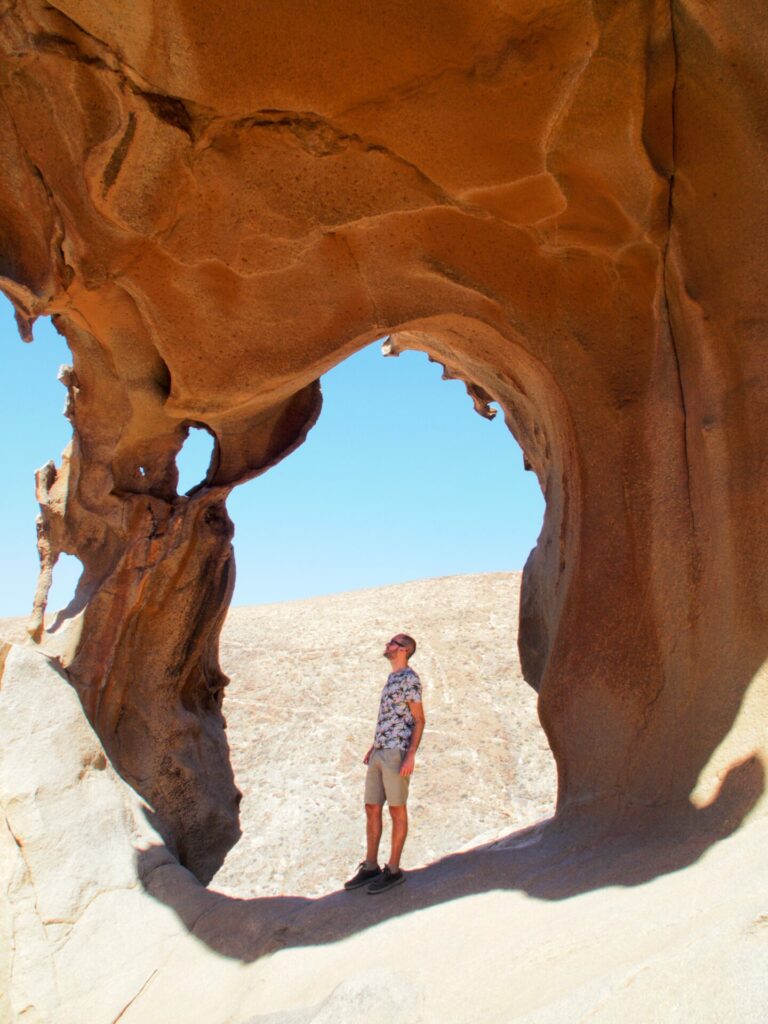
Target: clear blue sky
(400, 479)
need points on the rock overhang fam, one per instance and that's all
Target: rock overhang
(218, 209)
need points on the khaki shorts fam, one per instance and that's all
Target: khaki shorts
(383, 780)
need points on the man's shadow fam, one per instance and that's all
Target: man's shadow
(553, 860)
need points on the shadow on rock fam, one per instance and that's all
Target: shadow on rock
(553, 860)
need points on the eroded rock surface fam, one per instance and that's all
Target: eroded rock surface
(562, 203)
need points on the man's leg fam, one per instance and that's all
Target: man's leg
(373, 828)
(399, 832)
(396, 787)
(396, 790)
(374, 801)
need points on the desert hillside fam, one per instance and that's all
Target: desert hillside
(302, 703)
(301, 706)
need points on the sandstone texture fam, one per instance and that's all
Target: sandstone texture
(560, 202)
(99, 922)
(75, 926)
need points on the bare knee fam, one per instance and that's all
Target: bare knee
(373, 811)
(399, 813)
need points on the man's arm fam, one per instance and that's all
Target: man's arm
(367, 757)
(419, 721)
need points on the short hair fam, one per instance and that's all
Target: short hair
(410, 644)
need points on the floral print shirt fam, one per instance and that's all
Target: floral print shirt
(395, 722)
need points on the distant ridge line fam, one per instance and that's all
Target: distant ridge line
(511, 574)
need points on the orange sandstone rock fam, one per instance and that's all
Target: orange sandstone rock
(561, 202)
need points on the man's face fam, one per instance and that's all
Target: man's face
(393, 647)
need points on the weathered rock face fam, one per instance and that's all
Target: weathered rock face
(560, 202)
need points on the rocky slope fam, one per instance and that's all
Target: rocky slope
(300, 709)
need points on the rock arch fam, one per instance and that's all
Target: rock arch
(530, 198)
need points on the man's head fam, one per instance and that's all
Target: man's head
(400, 648)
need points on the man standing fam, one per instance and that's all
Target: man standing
(391, 760)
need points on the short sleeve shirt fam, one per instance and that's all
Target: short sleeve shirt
(395, 722)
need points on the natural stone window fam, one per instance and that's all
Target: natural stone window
(214, 226)
(399, 479)
(66, 575)
(193, 460)
(306, 674)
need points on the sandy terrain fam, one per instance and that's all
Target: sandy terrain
(302, 703)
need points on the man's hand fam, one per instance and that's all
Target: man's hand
(367, 757)
(409, 763)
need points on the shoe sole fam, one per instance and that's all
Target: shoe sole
(378, 892)
(359, 885)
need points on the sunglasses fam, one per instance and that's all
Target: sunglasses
(395, 643)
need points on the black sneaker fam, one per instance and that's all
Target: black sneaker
(363, 876)
(386, 880)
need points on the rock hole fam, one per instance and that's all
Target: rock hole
(31, 415)
(399, 480)
(194, 459)
(410, 513)
(66, 576)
